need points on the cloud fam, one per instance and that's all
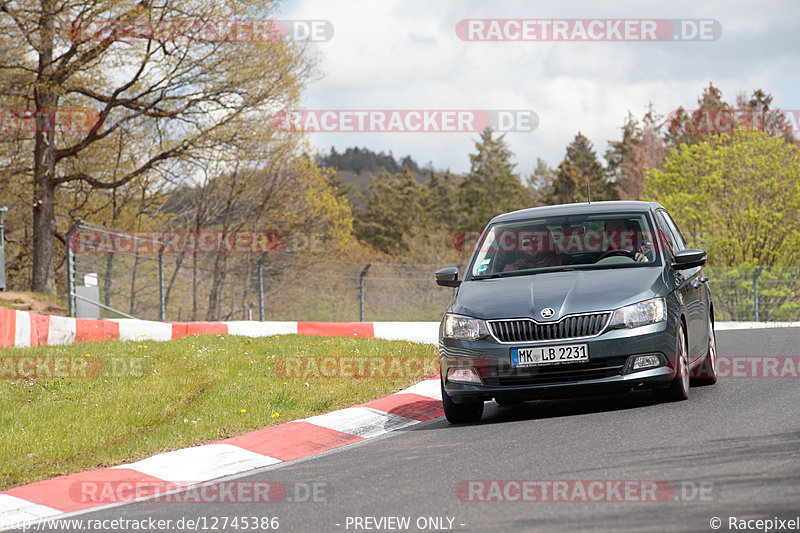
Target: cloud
(404, 54)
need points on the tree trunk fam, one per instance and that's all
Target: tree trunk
(220, 271)
(108, 279)
(44, 217)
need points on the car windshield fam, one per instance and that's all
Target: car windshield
(600, 240)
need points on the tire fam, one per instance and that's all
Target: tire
(678, 389)
(460, 413)
(706, 371)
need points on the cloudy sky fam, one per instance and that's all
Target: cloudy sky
(405, 54)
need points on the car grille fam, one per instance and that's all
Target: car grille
(569, 327)
(538, 375)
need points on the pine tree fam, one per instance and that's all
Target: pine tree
(443, 194)
(491, 187)
(397, 207)
(684, 128)
(540, 182)
(579, 168)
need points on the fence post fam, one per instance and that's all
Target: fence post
(261, 287)
(2, 251)
(756, 273)
(162, 308)
(361, 292)
(71, 270)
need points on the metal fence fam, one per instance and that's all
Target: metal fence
(283, 285)
(287, 285)
(766, 294)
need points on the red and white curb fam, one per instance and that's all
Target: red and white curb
(24, 329)
(190, 466)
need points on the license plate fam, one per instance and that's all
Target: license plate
(550, 355)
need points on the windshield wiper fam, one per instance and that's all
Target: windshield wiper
(524, 272)
(490, 276)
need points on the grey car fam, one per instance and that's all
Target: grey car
(572, 300)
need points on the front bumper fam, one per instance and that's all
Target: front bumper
(607, 371)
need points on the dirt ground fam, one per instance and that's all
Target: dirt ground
(29, 302)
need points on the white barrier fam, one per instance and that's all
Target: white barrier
(22, 335)
(248, 328)
(143, 330)
(62, 330)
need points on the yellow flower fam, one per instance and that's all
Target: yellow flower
(276, 415)
(244, 410)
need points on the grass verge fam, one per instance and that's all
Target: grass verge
(152, 397)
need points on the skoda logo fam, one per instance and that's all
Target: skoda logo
(547, 312)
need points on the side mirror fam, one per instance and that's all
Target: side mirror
(689, 258)
(447, 277)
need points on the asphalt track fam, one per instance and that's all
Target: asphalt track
(731, 450)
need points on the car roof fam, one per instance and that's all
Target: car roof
(623, 206)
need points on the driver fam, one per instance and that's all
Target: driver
(534, 254)
(624, 232)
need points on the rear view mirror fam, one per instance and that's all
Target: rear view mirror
(689, 258)
(447, 277)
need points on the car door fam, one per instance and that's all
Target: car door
(690, 287)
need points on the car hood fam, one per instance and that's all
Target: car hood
(569, 292)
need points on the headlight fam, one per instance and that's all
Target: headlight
(640, 314)
(464, 327)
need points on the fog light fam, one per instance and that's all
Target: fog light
(646, 361)
(464, 375)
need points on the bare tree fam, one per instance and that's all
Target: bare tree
(174, 93)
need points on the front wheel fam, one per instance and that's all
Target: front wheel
(706, 372)
(460, 413)
(679, 387)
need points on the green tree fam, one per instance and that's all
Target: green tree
(443, 194)
(579, 168)
(692, 128)
(540, 182)
(714, 116)
(396, 207)
(491, 187)
(737, 197)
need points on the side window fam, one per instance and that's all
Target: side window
(680, 241)
(667, 238)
